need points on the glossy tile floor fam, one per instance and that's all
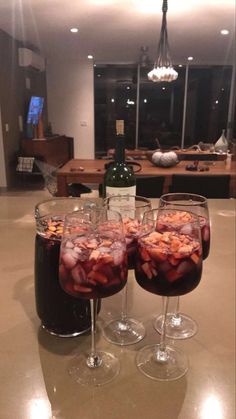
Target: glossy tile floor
(33, 364)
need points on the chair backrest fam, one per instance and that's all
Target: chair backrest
(149, 186)
(210, 186)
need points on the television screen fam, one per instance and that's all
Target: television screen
(35, 109)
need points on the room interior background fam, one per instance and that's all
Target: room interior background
(83, 97)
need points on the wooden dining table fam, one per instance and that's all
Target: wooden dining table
(91, 171)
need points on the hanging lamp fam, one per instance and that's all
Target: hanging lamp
(163, 69)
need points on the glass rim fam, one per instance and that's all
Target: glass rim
(201, 199)
(63, 198)
(146, 201)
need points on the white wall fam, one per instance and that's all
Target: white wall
(3, 180)
(70, 88)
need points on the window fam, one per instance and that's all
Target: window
(160, 109)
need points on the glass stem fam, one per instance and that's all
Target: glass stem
(163, 330)
(93, 360)
(162, 355)
(124, 304)
(176, 318)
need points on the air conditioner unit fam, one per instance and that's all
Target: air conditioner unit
(29, 58)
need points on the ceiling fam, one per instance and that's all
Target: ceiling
(115, 30)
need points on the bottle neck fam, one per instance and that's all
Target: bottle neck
(120, 149)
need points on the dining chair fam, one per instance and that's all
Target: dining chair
(210, 186)
(149, 186)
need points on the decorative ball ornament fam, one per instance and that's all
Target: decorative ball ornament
(167, 159)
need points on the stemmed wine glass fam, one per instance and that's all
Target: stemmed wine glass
(126, 330)
(180, 325)
(168, 263)
(93, 265)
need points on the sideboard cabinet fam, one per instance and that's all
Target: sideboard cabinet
(56, 150)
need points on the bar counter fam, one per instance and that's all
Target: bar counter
(34, 380)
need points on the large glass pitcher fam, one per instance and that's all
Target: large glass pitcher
(60, 313)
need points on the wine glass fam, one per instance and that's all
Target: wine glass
(180, 325)
(93, 265)
(168, 264)
(126, 330)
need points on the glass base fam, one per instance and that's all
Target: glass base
(105, 372)
(123, 333)
(158, 366)
(181, 327)
(64, 335)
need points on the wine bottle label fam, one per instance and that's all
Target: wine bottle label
(119, 127)
(123, 203)
(130, 190)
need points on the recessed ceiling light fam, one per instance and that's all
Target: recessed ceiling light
(90, 57)
(180, 65)
(224, 32)
(74, 30)
(95, 65)
(190, 58)
(163, 88)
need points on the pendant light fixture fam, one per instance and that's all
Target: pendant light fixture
(163, 69)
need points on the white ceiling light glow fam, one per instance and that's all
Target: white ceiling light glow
(90, 57)
(163, 69)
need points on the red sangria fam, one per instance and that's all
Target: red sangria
(131, 228)
(205, 234)
(61, 314)
(169, 263)
(93, 265)
(180, 325)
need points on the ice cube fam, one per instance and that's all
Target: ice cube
(78, 274)
(68, 260)
(186, 229)
(184, 267)
(205, 233)
(69, 244)
(165, 266)
(118, 257)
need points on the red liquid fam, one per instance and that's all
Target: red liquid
(59, 312)
(167, 274)
(132, 228)
(205, 234)
(91, 269)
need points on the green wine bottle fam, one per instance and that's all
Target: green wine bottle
(119, 178)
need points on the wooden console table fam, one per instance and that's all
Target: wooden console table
(140, 154)
(55, 151)
(92, 171)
